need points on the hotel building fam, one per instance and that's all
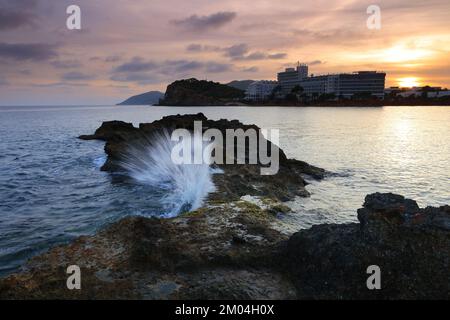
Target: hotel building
(343, 85)
(260, 90)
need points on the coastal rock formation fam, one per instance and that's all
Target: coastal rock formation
(233, 251)
(193, 92)
(410, 245)
(236, 181)
(214, 253)
(232, 247)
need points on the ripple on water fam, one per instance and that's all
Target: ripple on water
(51, 188)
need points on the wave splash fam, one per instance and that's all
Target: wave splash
(184, 186)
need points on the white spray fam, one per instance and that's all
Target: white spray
(185, 185)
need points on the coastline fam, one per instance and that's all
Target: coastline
(232, 247)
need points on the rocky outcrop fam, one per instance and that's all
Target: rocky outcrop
(237, 180)
(193, 92)
(410, 245)
(234, 251)
(232, 247)
(218, 252)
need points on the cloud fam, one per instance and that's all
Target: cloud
(114, 58)
(251, 69)
(334, 36)
(277, 56)
(141, 78)
(28, 51)
(59, 84)
(3, 82)
(184, 66)
(12, 19)
(204, 23)
(236, 51)
(76, 76)
(66, 64)
(314, 62)
(137, 64)
(155, 72)
(253, 56)
(109, 59)
(195, 47)
(214, 67)
(241, 52)
(258, 55)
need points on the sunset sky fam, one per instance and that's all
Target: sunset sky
(128, 47)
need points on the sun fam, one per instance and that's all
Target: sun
(408, 82)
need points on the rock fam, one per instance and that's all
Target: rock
(409, 244)
(231, 247)
(193, 92)
(237, 180)
(113, 131)
(193, 256)
(232, 251)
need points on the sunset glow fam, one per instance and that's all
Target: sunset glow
(408, 82)
(400, 54)
(140, 46)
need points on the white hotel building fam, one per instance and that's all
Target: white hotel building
(260, 90)
(341, 85)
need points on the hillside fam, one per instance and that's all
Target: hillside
(193, 92)
(240, 84)
(148, 98)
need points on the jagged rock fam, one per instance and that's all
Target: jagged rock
(232, 248)
(237, 180)
(233, 251)
(193, 92)
(409, 244)
(188, 257)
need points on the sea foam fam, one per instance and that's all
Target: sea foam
(185, 186)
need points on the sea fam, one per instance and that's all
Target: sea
(52, 189)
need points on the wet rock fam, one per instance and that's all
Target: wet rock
(231, 247)
(237, 179)
(232, 251)
(409, 244)
(195, 255)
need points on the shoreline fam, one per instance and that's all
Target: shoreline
(232, 247)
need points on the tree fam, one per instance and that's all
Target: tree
(276, 93)
(297, 90)
(327, 97)
(425, 91)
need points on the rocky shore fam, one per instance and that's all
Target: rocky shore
(233, 247)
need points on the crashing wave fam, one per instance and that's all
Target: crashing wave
(185, 186)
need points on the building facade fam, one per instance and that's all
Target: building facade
(260, 90)
(291, 77)
(429, 92)
(343, 85)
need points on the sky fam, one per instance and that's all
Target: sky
(127, 47)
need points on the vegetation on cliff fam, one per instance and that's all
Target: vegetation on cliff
(193, 92)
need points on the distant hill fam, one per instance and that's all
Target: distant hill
(148, 98)
(193, 92)
(240, 84)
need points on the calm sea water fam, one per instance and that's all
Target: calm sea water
(51, 188)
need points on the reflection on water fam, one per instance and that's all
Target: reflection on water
(51, 189)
